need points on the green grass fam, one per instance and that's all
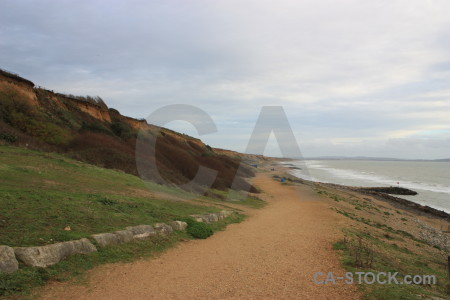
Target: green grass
(41, 193)
(237, 197)
(23, 281)
(389, 257)
(386, 249)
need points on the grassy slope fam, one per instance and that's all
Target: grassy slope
(41, 193)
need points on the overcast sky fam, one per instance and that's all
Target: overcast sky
(355, 77)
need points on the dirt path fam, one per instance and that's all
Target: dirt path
(272, 255)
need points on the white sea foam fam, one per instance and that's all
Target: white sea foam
(404, 174)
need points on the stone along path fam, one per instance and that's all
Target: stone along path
(271, 255)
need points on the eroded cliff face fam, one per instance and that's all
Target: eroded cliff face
(26, 90)
(21, 87)
(136, 124)
(86, 129)
(91, 109)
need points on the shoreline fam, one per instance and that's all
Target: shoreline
(431, 224)
(382, 232)
(399, 202)
(431, 196)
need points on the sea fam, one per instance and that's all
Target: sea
(430, 179)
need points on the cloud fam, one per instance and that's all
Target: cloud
(351, 72)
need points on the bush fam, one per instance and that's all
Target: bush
(95, 126)
(7, 137)
(199, 230)
(122, 130)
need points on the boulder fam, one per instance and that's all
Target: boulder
(106, 239)
(44, 256)
(178, 225)
(8, 261)
(163, 229)
(208, 218)
(198, 218)
(124, 236)
(211, 218)
(226, 213)
(142, 231)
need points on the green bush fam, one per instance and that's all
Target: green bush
(122, 130)
(95, 126)
(190, 221)
(199, 230)
(7, 137)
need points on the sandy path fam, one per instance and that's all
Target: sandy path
(272, 255)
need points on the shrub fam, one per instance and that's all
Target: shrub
(362, 253)
(7, 137)
(11, 103)
(188, 220)
(122, 130)
(199, 230)
(95, 126)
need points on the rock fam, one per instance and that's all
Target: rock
(44, 256)
(393, 190)
(142, 231)
(198, 218)
(226, 213)
(163, 229)
(433, 236)
(8, 261)
(178, 225)
(204, 218)
(106, 239)
(210, 218)
(124, 236)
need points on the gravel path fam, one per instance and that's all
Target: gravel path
(271, 255)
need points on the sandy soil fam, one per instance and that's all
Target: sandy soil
(271, 255)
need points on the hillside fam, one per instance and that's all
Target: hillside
(84, 128)
(42, 193)
(46, 198)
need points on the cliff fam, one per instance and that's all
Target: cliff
(13, 83)
(86, 129)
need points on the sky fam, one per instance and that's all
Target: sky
(354, 77)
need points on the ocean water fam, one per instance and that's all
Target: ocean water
(431, 180)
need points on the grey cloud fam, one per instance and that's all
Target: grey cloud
(357, 69)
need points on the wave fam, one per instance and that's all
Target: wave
(363, 178)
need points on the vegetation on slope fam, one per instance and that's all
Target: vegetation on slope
(43, 193)
(105, 138)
